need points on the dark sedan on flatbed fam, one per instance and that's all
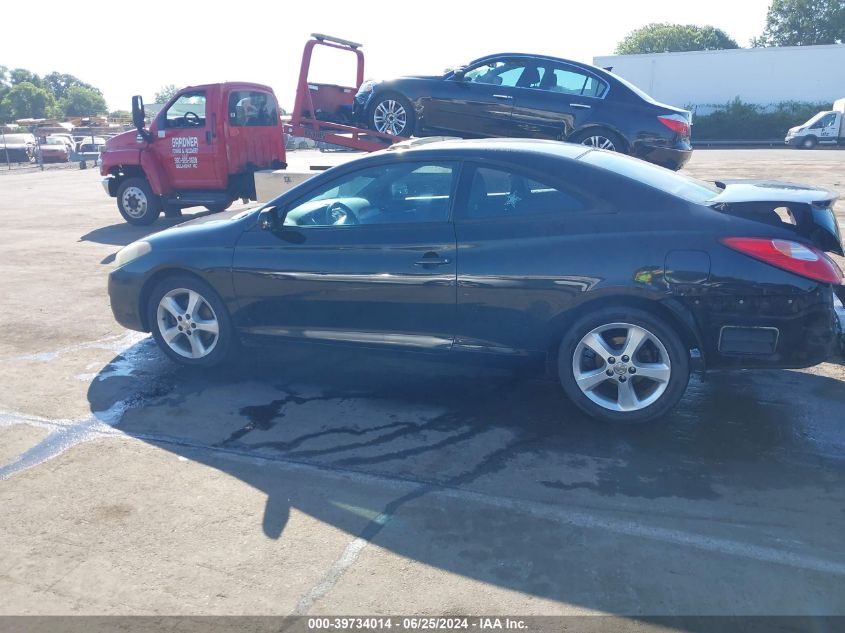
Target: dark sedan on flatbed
(530, 96)
(626, 276)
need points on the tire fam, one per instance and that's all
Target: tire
(600, 138)
(137, 203)
(203, 347)
(392, 114)
(219, 208)
(809, 143)
(661, 354)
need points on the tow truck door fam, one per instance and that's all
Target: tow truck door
(186, 141)
(252, 130)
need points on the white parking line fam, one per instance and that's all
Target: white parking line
(562, 516)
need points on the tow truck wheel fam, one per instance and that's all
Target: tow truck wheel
(392, 114)
(219, 208)
(809, 142)
(137, 203)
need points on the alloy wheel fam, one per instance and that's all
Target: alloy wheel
(599, 142)
(187, 323)
(621, 367)
(390, 117)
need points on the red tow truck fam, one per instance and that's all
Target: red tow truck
(205, 145)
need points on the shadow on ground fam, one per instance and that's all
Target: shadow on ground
(429, 427)
(123, 233)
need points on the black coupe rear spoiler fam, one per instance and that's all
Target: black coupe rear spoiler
(808, 211)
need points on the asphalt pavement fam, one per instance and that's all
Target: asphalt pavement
(316, 481)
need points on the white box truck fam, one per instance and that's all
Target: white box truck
(824, 128)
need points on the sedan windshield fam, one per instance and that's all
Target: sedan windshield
(671, 182)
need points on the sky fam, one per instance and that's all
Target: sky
(126, 49)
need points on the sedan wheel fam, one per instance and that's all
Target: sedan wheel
(600, 142)
(390, 117)
(393, 115)
(189, 321)
(623, 365)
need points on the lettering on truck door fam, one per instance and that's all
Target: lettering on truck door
(185, 144)
(185, 150)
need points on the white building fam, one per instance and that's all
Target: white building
(756, 75)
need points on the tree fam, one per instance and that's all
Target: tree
(165, 93)
(60, 83)
(803, 23)
(81, 101)
(27, 101)
(22, 75)
(5, 86)
(665, 38)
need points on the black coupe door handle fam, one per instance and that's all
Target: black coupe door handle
(430, 260)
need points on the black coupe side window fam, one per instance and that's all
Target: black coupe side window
(499, 193)
(401, 193)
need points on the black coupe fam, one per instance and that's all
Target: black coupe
(625, 275)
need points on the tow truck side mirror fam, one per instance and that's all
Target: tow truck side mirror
(138, 114)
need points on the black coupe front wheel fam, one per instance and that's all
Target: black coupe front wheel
(189, 321)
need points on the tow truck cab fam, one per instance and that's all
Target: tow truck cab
(201, 149)
(823, 128)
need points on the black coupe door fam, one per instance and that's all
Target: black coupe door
(529, 246)
(367, 259)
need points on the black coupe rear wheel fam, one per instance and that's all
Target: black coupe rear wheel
(623, 365)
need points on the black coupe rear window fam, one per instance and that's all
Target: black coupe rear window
(660, 178)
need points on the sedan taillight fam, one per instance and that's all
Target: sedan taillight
(675, 122)
(800, 259)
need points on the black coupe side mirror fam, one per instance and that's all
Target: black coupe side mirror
(267, 219)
